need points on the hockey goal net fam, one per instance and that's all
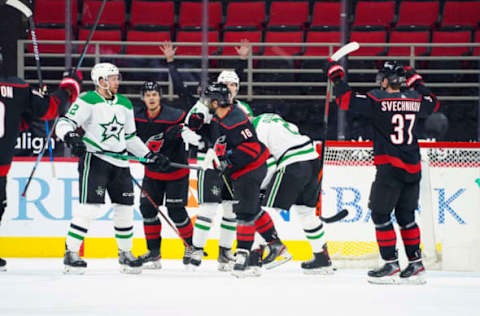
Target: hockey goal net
(449, 201)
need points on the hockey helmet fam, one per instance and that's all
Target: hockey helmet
(103, 70)
(150, 86)
(219, 92)
(228, 76)
(393, 71)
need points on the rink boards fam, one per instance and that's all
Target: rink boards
(36, 226)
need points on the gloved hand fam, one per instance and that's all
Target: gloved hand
(190, 137)
(75, 142)
(413, 78)
(196, 120)
(334, 70)
(157, 161)
(225, 166)
(71, 83)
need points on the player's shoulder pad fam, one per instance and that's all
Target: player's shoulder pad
(90, 97)
(124, 101)
(171, 114)
(234, 118)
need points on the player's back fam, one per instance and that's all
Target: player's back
(13, 102)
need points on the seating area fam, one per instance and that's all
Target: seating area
(273, 21)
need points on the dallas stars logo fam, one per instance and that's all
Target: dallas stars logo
(215, 190)
(112, 129)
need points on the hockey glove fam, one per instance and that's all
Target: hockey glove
(173, 133)
(76, 144)
(71, 83)
(157, 161)
(196, 120)
(190, 137)
(225, 166)
(413, 78)
(334, 70)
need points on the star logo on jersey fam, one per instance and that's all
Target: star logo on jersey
(100, 190)
(215, 190)
(112, 129)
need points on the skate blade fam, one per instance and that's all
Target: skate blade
(242, 274)
(414, 280)
(282, 258)
(319, 271)
(74, 270)
(152, 265)
(394, 279)
(3, 269)
(130, 270)
(225, 266)
(254, 271)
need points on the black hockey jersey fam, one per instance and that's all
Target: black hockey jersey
(238, 141)
(162, 134)
(394, 117)
(18, 101)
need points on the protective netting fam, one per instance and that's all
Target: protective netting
(351, 164)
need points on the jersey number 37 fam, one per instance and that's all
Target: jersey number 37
(402, 122)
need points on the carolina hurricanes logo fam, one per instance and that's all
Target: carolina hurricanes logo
(155, 142)
(221, 146)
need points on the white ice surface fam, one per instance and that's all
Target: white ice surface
(38, 287)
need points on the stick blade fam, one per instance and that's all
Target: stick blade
(345, 50)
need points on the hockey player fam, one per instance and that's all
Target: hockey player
(160, 128)
(243, 159)
(108, 122)
(211, 190)
(393, 114)
(19, 101)
(295, 183)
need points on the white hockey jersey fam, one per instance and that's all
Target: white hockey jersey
(109, 125)
(283, 140)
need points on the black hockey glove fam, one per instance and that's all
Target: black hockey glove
(334, 70)
(157, 161)
(173, 133)
(196, 120)
(72, 82)
(76, 144)
(226, 166)
(413, 78)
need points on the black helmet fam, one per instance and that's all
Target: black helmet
(393, 71)
(150, 86)
(218, 91)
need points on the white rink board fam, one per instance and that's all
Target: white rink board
(50, 203)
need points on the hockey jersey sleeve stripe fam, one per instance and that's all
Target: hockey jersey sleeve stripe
(175, 175)
(396, 162)
(52, 111)
(4, 170)
(253, 165)
(91, 142)
(253, 146)
(131, 135)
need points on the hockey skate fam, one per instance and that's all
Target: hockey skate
(277, 255)
(320, 264)
(187, 255)
(240, 267)
(225, 259)
(196, 257)
(151, 260)
(129, 263)
(255, 261)
(386, 274)
(3, 264)
(73, 263)
(414, 273)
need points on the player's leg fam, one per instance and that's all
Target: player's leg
(152, 225)
(209, 197)
(405, 214)
(3, 206)
(176, 199)
(228, 232)
(93, 176)
(120, 190)
(384, 195)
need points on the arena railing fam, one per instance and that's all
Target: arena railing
(27, 70)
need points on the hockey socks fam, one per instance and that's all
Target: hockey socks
(76, 234)
(411, 240)
(152, 228)
(185, 229)
(387, 240)
(264, 226)
(245, 234)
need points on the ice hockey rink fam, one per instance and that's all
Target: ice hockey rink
(38, 287)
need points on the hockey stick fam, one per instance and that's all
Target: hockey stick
(155, 205)
(343, 51)
(335, 218)
(141, 159)
(20, 6)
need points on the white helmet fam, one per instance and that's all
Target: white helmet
(103, 70)
(228, 76)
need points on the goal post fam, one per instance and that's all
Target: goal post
(448, 213)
